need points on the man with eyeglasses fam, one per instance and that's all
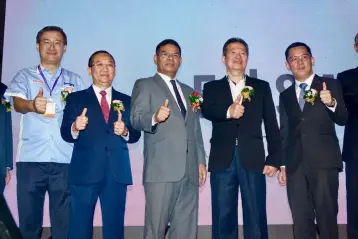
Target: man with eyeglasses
(174, 157)
(96, 120)
(39, 94)
(311, 157)
(349, 81)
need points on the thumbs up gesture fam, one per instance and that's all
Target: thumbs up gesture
(236, 109)
(40, 102)
(163, 113)
(81, 121)
(326, 96)
(119, 126)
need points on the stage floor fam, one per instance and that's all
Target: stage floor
(275, 232)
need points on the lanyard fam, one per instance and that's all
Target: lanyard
(45, 80)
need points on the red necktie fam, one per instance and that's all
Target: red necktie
(104, 105)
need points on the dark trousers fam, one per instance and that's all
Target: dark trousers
(84, 198)
(33, 181)
(2, 182)
(313, 194)
(352, 198)
(224, 196)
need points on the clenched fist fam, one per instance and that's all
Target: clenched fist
(81, 122)
(163, 113)
(119, 127)
(236, 110)
(40, 102)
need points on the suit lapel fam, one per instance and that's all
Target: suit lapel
(172, 101)
(113, 115)
(225, 91)
(317, 85)
(292, 97)
(186, 94)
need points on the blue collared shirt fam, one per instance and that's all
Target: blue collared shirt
(40, 138)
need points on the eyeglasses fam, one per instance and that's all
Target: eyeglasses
(166, 55)
(102, 66)
(47, 42)
(295, 59)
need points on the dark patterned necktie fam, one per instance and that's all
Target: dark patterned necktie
(179, 100)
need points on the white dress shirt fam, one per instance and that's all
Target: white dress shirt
(167, 80)
(235, 91)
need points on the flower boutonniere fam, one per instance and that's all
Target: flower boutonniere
(247, 93)
(6, 104)
(65, 92)
(117, 105)
(195, 100)
(310, 96)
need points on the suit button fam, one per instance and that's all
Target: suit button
(106, 148)
(107, 131)
(303, 119)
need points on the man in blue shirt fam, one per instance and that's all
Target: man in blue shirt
(5, 141)
(39, 93)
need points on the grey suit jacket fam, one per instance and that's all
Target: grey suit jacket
(167, 145)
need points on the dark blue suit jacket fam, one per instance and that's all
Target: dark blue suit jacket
(6, 154)
(97, 149)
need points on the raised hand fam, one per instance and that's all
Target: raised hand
(81, 121)
(163, 113)
(119, 126)
(236, 110)
(326, 96)
(40, 102)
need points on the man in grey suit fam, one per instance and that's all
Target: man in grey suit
(174, 157)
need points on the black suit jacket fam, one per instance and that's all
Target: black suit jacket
(6, 154)
(310, 135)
(349, 82)
(247, 129)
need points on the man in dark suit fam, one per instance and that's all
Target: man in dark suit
(309, 110)
(6, 154)
(349, 82)
(237, 154)
(100, 165)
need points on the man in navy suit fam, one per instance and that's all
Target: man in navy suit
(100, 165)
(5, 142)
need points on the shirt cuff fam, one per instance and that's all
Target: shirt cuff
(332, 108)
(153, 122)
(228, 113)
(74, 135)
(126, 138)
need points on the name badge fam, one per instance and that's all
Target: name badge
(50, 109)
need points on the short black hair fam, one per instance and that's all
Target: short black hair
(235, 40)
(51, 29)
(356, 39)
(297, 44)
(90, 60)
(167, 42)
